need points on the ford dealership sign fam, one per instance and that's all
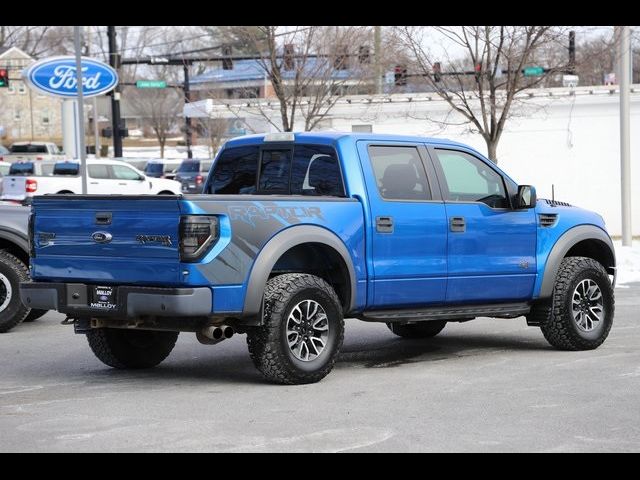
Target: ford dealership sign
(56, 76)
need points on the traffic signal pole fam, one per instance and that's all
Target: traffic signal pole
(114, 58)
(187, 120)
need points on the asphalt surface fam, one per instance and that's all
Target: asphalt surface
(486, 385)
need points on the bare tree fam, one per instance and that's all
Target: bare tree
(494, 57)
(308, 68)
(159, 108)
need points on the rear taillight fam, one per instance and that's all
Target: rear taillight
(198, 233)
(199, 180)
(39, 158)
(31, 186)
(32, 240)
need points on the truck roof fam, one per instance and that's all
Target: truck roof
(333, 137)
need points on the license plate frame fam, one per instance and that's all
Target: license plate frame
(103, 298)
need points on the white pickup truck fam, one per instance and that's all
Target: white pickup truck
(26, 151)
(104, 177)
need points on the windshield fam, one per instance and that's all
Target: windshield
(21, 169)
(29, 149)
(189, 167)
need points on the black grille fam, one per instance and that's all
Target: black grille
(547, 219)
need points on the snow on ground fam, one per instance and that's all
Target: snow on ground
(628, 260)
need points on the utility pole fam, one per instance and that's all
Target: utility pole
(624, 54)
(81, 148)
(96, 131)
(114, 61)
(377, 46)
(187, 120)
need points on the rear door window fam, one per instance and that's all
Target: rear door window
(399, 172)
(99, 172)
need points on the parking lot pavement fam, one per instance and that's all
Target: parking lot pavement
(487, 385)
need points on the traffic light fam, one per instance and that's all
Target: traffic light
(4, 77)
(437, 72)
(400, 75)
(364, 54)
(289, 54)
(227, 61)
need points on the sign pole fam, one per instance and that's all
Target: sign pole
(624, 54)
(82, 150)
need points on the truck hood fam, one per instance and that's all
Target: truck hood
(566, 214)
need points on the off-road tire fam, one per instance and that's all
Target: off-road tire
(558, 326)
(268, 345)
(15, 272)
(131, 349)
(417, 330)
(35, 314)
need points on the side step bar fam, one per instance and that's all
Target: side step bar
(458, 312)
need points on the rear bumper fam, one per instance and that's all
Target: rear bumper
(132, 301)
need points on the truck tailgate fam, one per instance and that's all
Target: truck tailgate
(111, 240)
(13, 188)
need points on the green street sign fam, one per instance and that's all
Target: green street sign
(533, 71)
(151, 84)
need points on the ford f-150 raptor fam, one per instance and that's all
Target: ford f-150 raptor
(295, 232)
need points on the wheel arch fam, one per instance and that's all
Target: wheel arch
(15, 243)
(284, 253)
(584, 241)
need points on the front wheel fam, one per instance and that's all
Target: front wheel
(129, 349)
(302, 331)
(582, 311)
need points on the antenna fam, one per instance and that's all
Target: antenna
(553, 193)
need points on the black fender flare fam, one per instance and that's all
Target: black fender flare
(567, 240)
(278, 246)
(15, 237)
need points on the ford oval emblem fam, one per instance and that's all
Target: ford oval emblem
(102, 237)
(56, 76)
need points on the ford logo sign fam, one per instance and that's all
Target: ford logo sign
(56, 76)
(102, 237)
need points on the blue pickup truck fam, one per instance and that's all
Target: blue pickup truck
(295, 232)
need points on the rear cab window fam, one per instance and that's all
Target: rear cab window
(297, 169)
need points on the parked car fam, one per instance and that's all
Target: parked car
(105, 177)
(14, 266)
(162, 168)
(192, 173)
(295, 232)
(28, 151)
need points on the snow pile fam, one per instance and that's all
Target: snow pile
(628, 262)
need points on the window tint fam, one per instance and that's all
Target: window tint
(66, 168)
(274, 171)
(399, 173)
(316, 171)
(121, 172)
(235, 171)
(469, 179)
(98, 171)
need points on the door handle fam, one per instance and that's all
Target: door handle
(384, 224)
(123, 184)
(93, 183)
(457, 224)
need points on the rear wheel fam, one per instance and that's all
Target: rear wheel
(12, 273)
(302, 332)
(130, 349)
(417, 330)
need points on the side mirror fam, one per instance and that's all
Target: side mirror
(526, 197)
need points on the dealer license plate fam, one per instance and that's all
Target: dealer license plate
(103, 298)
